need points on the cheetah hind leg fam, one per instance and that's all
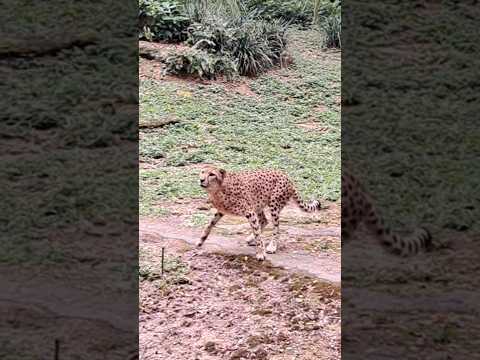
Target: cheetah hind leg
(263, 222)
(255, 224)
(273, 244)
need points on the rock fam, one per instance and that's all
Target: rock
(240, 354)
(261, 354)
(282, 337)
(312, 327)
(210, 347)
(182, 281)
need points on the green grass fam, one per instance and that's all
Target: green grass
(199, 219)
(62, 121)
(418, 160)
(162, 184)
(237, 131)
(57, 197)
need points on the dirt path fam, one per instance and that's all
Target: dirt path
(324, 266)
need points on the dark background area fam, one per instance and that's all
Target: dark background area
(410, 133)
(69, 179)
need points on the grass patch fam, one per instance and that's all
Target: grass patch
(162, 184)
(199, 219)
(239, 132)
(418, 170)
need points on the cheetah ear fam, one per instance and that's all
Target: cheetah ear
(222, 174)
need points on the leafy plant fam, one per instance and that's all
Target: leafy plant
(255, 44)
(162, 20)
(200, 63)
(259, 46)
(330, 23)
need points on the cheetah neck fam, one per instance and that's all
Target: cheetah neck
(218, 194)
(218, 197)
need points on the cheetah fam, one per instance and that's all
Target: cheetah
(247, 194)
(357, 207)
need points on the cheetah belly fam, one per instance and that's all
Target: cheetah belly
(232, 207)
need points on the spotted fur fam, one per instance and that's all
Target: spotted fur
(357, 208)
(247, 194)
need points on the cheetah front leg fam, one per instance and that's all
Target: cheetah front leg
(207, 230)
(256, 227)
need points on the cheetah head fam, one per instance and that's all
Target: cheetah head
(211, 178)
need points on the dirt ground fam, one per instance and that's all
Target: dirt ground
(425, 307)
(231, 307)
(226, 305)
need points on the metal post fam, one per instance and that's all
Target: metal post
(57, 348)
(163, 258)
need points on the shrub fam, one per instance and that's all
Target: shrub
(259, 46)
(255, 44)
(330, 23)
(225, 37)
(293, 11)
(199, 63)
(162, 20)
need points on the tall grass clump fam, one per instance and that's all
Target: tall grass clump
(225, 30)
(329, 19)
(197, 9)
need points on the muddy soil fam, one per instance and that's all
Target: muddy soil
(233, 307)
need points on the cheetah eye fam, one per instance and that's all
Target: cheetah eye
(211, 174)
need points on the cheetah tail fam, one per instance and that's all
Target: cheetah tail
(307, 207)
(420, 239)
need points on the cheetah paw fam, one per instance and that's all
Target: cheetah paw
(251, 240)
(260, 257)
(271, 248)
